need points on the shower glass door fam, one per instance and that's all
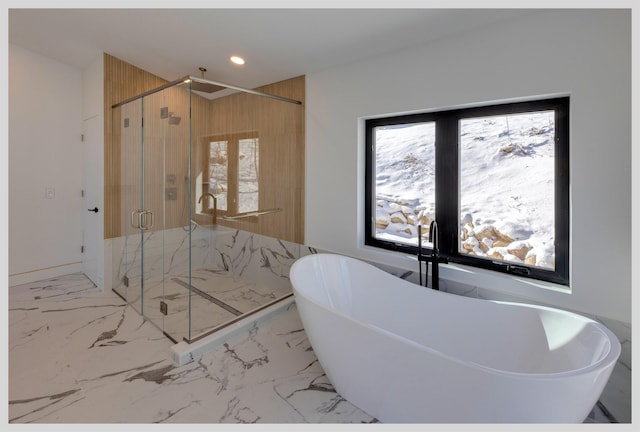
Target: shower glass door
(150, 218)
(127, 121)
(152, 255)
(169, 120)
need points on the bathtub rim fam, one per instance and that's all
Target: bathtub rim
(605, 362)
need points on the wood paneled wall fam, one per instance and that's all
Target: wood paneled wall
(279, 126)
(121, 81)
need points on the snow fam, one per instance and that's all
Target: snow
(247, 167)
(506, 172)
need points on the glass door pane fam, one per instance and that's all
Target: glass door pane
(128, 283)
(177, 196)
(118, 268)
(155, 122)
(152, 254)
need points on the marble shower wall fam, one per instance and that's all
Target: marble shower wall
(165, 252)
(255, 257)
(218, 255)
(252, 256)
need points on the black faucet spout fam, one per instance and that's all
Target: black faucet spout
(433, 235)
(432, 257)
(435, 255)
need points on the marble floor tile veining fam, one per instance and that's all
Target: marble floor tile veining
(79, 355)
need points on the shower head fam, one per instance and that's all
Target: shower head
(205, 87)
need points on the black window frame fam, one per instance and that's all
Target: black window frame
(447, 185)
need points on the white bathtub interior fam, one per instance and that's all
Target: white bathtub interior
(497, 336)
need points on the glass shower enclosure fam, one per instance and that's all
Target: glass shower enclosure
(190, 162)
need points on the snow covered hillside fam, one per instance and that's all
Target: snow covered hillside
(506, 188)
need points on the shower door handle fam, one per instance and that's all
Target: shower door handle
(143, 220)
(135, 213)
(95, 209)
(139, 219)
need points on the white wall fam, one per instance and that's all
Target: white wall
(93, 173)
(45, 103)
(586, 54)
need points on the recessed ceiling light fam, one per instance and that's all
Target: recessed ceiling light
(237, 60)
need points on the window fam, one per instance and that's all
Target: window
(248, 163)
(232, 165)
(496, 179)
(218, 167)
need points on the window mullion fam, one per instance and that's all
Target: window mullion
(447, 183)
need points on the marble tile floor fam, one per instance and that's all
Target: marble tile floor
(78, 355)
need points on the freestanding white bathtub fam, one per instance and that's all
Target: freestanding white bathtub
(408, 354)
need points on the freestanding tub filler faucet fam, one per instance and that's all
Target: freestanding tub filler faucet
(435, 254)
(432, 257)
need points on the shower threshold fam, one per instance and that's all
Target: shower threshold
(192, 349)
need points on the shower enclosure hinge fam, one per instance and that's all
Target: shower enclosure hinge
(81, 249)
(82, 138)
(82, 193)
(163, 307)
(125, 281)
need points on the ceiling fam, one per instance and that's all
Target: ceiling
(277, 43)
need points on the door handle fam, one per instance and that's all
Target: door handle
(139, 219)
(143, 217)
(95, 209)
(135, 216)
